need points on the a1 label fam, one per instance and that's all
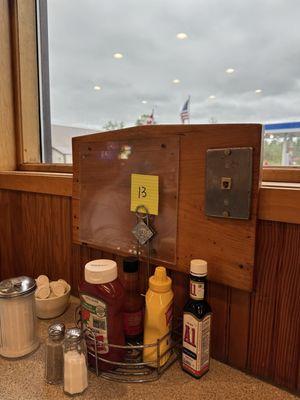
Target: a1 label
(196, 344)
(197, 290)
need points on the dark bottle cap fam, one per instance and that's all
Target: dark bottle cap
(130, 264)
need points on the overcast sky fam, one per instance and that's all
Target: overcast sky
(260, 39)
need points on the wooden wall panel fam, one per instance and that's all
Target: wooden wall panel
(257, 332)
(218, 299)
(274, 349)
(263, 300)
(8, 216)
(238, 335)
(229, 244)
(36, 235)
(287, 317)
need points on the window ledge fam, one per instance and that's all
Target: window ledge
(39, 182)
(279, 202)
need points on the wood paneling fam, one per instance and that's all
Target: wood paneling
(227, 243)
(257, 332)
(263, 300)
(37, 182)
(238, 336)
(287, 316)
(7, 129)
(274, 349)
(35, 234)
(280, 204)
(218, 299)
(270, 207)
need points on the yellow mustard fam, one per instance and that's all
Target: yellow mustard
(158, 316)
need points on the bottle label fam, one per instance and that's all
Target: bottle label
(197, 290)
(133, 323)
(196, 344)
(94, 317)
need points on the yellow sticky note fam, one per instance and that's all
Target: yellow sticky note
(144, 192)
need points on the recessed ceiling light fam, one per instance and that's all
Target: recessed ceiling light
(212, 96)
(230, 70)
(97, 87)
(181, 36)
(118, 56)
(176, 81)
(144, 101)
(258, 91)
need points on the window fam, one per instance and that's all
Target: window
(108, 65)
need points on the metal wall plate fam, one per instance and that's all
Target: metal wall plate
(228, 182)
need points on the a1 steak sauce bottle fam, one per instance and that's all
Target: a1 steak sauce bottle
(197, 323)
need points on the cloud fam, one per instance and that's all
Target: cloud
(259, 38)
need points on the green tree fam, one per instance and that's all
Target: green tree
(112, 125)
(272, 152)
(142, 120)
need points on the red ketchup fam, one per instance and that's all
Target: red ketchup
(102, 298)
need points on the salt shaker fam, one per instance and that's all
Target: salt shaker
(54, 353)
(75, 364)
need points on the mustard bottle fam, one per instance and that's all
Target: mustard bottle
(158, 316)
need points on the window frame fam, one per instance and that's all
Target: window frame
(27, 93)
(281, 174)
(26, 98)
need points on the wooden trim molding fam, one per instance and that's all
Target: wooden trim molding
(25, 68)
(276, 202)
(37, 182)
(7, 128)
(42, 167)
(280, 204)
(281, 174)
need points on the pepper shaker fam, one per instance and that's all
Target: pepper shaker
(54, 353)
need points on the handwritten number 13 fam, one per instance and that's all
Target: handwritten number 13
(142, 192)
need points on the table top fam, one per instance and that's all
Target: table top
(23, 379)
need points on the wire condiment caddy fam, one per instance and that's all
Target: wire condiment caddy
(131, 370)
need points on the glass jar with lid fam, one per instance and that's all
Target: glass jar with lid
(75, 362)
(18, 330)
(54, 354)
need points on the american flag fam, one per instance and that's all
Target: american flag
(150, 119)
(185, 112)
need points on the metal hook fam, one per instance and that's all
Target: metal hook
(141, 214)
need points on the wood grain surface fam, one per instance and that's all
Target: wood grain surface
(37, 182)
(272, 195)
(280, 204)
(256, 332)
(7, 126)
(26, 85)
(228, 244)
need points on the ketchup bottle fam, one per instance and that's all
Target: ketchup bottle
(102, 298)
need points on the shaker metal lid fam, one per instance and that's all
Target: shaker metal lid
(18, 286)
(56, 330)
(73, 334)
